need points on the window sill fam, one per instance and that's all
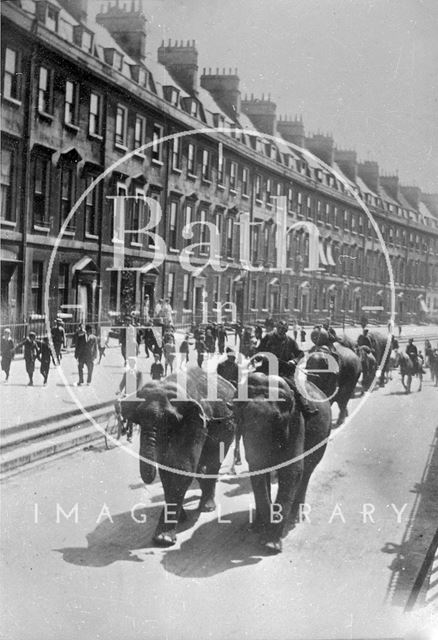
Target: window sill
(45, 116)
(140, 156)
(74, 128)
(69, 232)
(176, 170)
(8, 223)
(37, 227)
(245, 196)
(259, 202)
(91, 236)
(233, 191)
(95, 136)
(137, 245)
(191, 176)
(120, 147)
(221, 186)
(206, 180)
(173, 250)
(14, 101)
(159, 163)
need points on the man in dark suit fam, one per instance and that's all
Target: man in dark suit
(86, 354)
(287, 351)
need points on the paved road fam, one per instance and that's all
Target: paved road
(338, 576)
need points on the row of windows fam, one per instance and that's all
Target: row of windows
(263, 239)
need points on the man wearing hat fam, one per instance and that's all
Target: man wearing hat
(364, 340)
(31, 352)
(7, 352)
(286, 349)
(58, 337)
(412, 351)
(228, 369)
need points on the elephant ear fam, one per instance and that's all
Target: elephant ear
(131, 410)
(191, 418)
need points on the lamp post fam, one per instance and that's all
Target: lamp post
(344, 300)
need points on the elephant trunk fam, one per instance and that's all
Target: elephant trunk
(148, 456)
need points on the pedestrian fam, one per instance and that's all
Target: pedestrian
(167, 312)
(295, 330)
(46, 357)
(169, 350)
(158, 310)
(303, 334)
(228, 368)
(149, 340)
(7, 346)
(245, 343)
(131, 382)
(399, 330)
(269, 324)
(157, 371)
(86, 354)
(222, 338)
(31, 353)
(128, 340)
(184, 350)
(103, 343)
(200, 348)
(58, 338)
(209, 341)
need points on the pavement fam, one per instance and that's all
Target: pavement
(22, 404)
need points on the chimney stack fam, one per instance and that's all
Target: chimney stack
(262, 113)
(76, 8)
(391, 185)
(347, 161)
(431, 202)
(181, 61)
(224, 88)
(412, 195)
(322, 146)
(128, 28)
(369, 172)
(292, 130)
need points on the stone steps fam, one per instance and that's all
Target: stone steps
(29, 442)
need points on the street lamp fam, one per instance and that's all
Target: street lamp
(344, 300)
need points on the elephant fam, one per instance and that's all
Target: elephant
(274, 432)
(408, 370)
(185, 435)
(379, 343)
(337, 386)
(369, 366)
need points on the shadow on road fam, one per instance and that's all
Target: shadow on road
(216, 547)
(409, 555)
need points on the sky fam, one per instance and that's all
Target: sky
(365, 71)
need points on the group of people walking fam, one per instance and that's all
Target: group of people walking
(33, 350)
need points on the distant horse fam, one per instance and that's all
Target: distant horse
(408, 369)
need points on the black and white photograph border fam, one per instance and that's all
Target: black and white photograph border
(219, 322)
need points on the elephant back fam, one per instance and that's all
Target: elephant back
(378, 341)
(196, 389)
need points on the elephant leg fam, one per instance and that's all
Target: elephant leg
(213, 453)
(343, 413)
(261, 486)
(289, 482)
(310, 464)
(175, 488)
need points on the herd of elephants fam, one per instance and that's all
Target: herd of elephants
(189, 438)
